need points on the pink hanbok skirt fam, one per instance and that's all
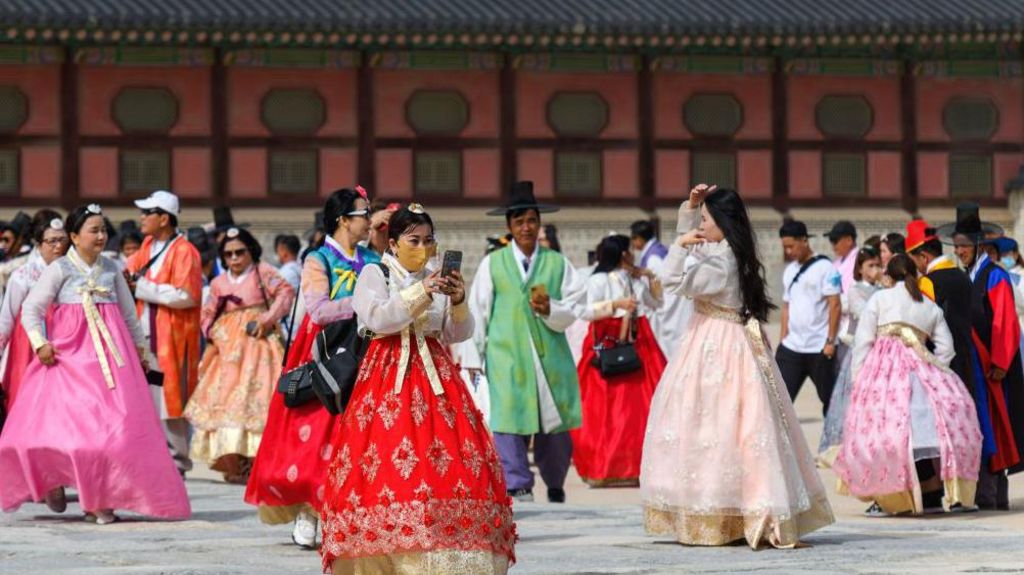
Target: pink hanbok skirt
(70, 429)
(906, 408)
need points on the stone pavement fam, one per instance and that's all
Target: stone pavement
(598, 532)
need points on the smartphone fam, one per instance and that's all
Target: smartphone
(452, 263)
(250, 328)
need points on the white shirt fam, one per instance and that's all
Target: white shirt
(292, 273)
(807, 331)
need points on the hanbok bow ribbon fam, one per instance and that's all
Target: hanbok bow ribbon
(98, 330)
(408, 334)
(346, 279)
(222, 304)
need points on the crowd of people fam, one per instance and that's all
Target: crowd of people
(149, 347)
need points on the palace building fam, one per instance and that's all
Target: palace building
(253, 103)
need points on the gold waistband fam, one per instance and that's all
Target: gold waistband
(718, 312)
(911, 337)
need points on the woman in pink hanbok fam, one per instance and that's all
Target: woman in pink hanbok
(908, 410)
(243, 357)
(85, 418)
(724, 457)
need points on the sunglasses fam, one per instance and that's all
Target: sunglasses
(232, 254)
(152, 211)
(55, 242)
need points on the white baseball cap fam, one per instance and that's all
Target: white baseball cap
(160, 199)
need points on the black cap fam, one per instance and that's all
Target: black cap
(793, 229)
(841, 229)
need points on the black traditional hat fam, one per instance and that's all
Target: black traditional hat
(521, 198)
(21, 225)
(223, 220)
(968, 224)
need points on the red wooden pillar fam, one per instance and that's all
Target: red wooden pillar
(69, 134)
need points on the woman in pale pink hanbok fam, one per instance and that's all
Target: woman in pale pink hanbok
(724, 457)
(907, 408)
(84, 416)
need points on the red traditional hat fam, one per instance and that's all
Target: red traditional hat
(917, 234)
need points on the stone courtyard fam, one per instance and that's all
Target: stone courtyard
(599, 532)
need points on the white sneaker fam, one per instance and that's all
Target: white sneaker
(304, 533)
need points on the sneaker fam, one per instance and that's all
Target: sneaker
(304, 533)
(876, 511)
(56, 500)
(556, 495)
(101, 517)
(524, 495)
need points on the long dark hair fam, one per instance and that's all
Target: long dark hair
(727, 209)
(551, 234)
(609, 253)
(902, 268)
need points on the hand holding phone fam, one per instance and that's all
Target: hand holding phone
(452, 263)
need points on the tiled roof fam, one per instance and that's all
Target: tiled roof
(577, 17)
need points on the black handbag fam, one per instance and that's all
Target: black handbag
(619, 358)
(297, 386)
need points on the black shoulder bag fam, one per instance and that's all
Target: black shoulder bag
(296, 385)
(806, 266)
(617, 356)
(337, 355)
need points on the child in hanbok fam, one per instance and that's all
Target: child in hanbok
(607, 448)
(867, 272)
(239, 371)
(85, 418)
(415, 485)
(724, 457)
(907, 408)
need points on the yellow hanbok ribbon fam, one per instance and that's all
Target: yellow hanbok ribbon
(346, 279)
(98, 330)
(428, 361)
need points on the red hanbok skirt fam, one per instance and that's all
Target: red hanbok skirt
(19, 354)
(288, 472)
(414, 473)
(607, 448)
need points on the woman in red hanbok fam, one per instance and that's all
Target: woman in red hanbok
(287, 478)
(415, 485)
(607, 449)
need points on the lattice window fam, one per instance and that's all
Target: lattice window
(713, 115)
(437, 112)
(844, 116)
(145, 110)
(9, 173)
(970, 175)
(578, 114)
(844, 174)
(578, 174)
(294, 171)
(13, 109)
(970, 119)
(713, 168)
(439, 173)
(143, 171)
(293, 112)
